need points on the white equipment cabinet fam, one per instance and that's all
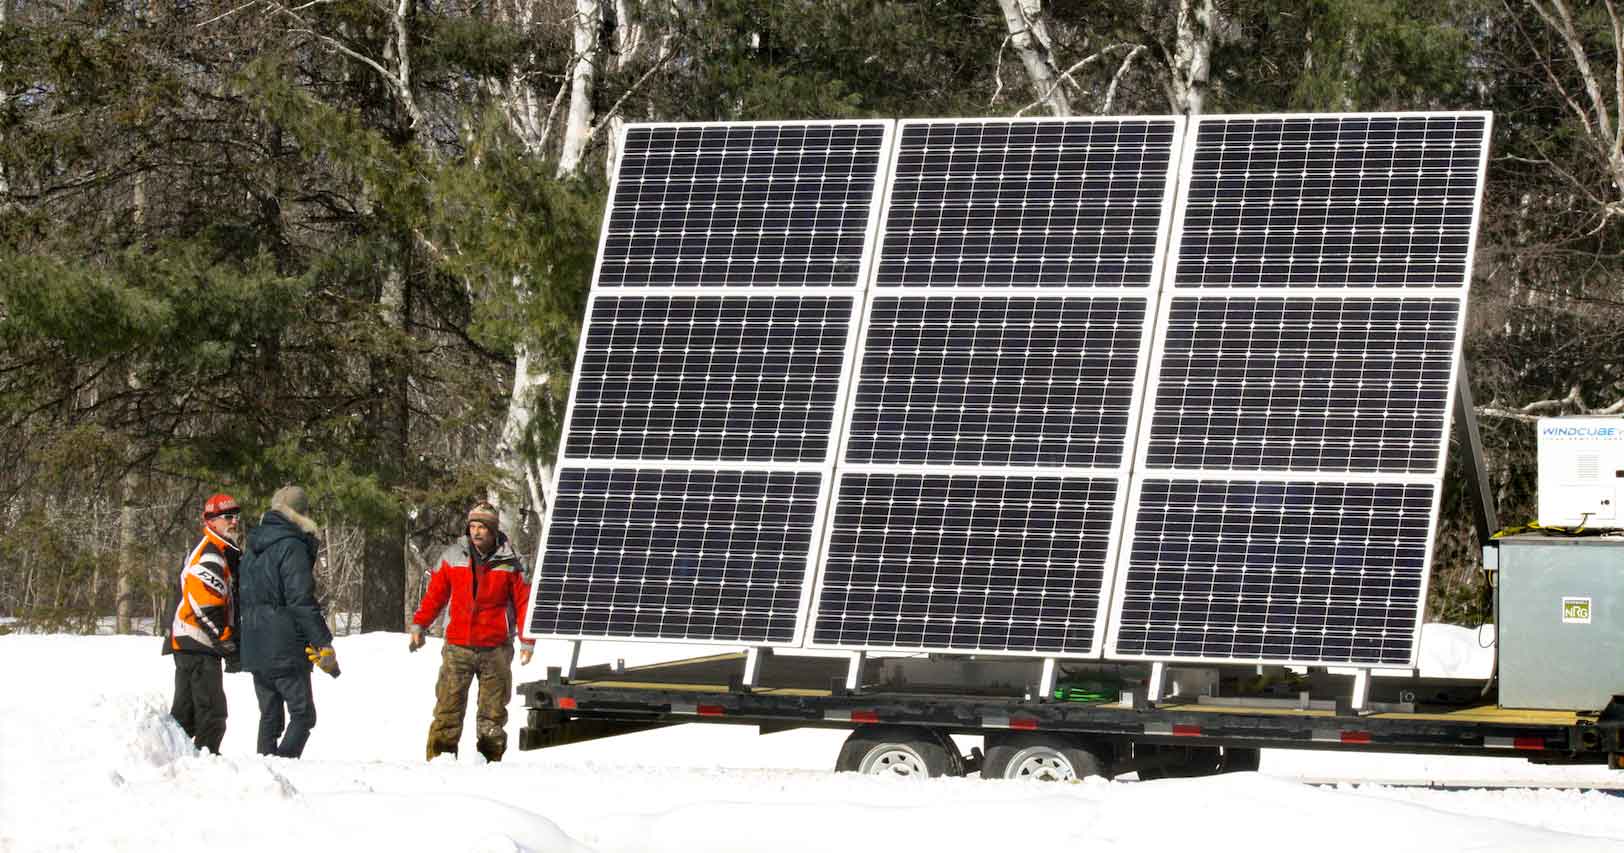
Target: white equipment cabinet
(1581, 471)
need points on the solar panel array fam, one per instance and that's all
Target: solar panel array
(985, 462)
(1290, 473)
(699, 440)
(1023, 466)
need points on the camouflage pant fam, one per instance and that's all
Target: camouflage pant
(458, 667)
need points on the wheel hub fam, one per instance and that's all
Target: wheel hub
(894, 760)
(1041, 764)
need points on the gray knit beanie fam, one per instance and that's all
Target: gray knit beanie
(291, 497)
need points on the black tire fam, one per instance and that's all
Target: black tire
(1192, 761)
(1178, 762)
(1241, 759)
(899, 751)
(1043, 757)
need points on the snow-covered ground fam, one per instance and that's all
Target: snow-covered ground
(90, 760)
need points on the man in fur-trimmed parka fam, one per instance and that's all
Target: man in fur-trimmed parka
(484, 581)
(283, 628)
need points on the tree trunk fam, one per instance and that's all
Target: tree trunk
(129, 487)
(520, 103)
(588, 24)
(123, 603)
(534, 478)
(383, 580)
(1192, 56)
(1030, 35)
(1599, 108)
(6, 13)
(520, 472)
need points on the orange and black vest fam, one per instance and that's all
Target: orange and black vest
(206, 615)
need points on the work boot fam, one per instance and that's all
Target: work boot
(492, 750)
(437, 748)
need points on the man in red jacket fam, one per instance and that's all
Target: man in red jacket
(484, 580)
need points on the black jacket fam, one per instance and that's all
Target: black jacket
(277, 596)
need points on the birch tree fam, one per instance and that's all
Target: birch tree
(1592, 93)
(6, 12)
(586, 25)
(1189, 59)
(582, 125)
(1557, 347)
(1029, 33)
(1164, 44)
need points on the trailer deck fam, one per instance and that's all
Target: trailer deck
(797, 691)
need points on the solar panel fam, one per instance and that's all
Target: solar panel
(725, 378)
(985, 458)
(700, 435)
(742, 205)
(1288, 481)
(685, 554)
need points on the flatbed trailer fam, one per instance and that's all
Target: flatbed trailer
(901, 716)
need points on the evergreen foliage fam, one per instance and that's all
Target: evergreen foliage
(247, 245)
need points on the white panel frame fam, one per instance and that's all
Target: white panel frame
(765, 293)
(1170, 289)
(1150, 293)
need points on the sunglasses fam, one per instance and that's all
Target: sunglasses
(230, 514)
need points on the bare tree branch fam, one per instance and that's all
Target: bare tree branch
(998, 72)
(1573, 403)
(1116, 79)
(400, 84)
(1088, 60)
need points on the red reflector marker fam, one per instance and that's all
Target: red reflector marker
(1186, 731)
(1356, 737)
(566, 703)
(1535, 743)
(709, 710)
(865, 717)
(1024, 724)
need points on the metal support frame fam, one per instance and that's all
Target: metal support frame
(1361, 689)
(1479, 490)
(753, 657)
(854, 672)
(571, 660)
(1157, 683)
(1046, 680)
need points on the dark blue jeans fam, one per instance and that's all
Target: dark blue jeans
(276, 690)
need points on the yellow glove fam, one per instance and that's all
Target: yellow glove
(324, 658)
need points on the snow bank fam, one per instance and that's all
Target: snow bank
(89, 759)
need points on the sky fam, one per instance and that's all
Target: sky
(91, 760)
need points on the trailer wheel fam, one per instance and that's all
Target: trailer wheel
(1045, 758)
(1185, 762)
(1240, 759)
(899, 751)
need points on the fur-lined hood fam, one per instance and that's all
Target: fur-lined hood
(300, 520)
(279, 524)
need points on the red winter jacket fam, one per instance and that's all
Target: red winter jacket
(487, 595)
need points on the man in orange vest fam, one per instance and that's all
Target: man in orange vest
(483, 579)
(203, 625)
